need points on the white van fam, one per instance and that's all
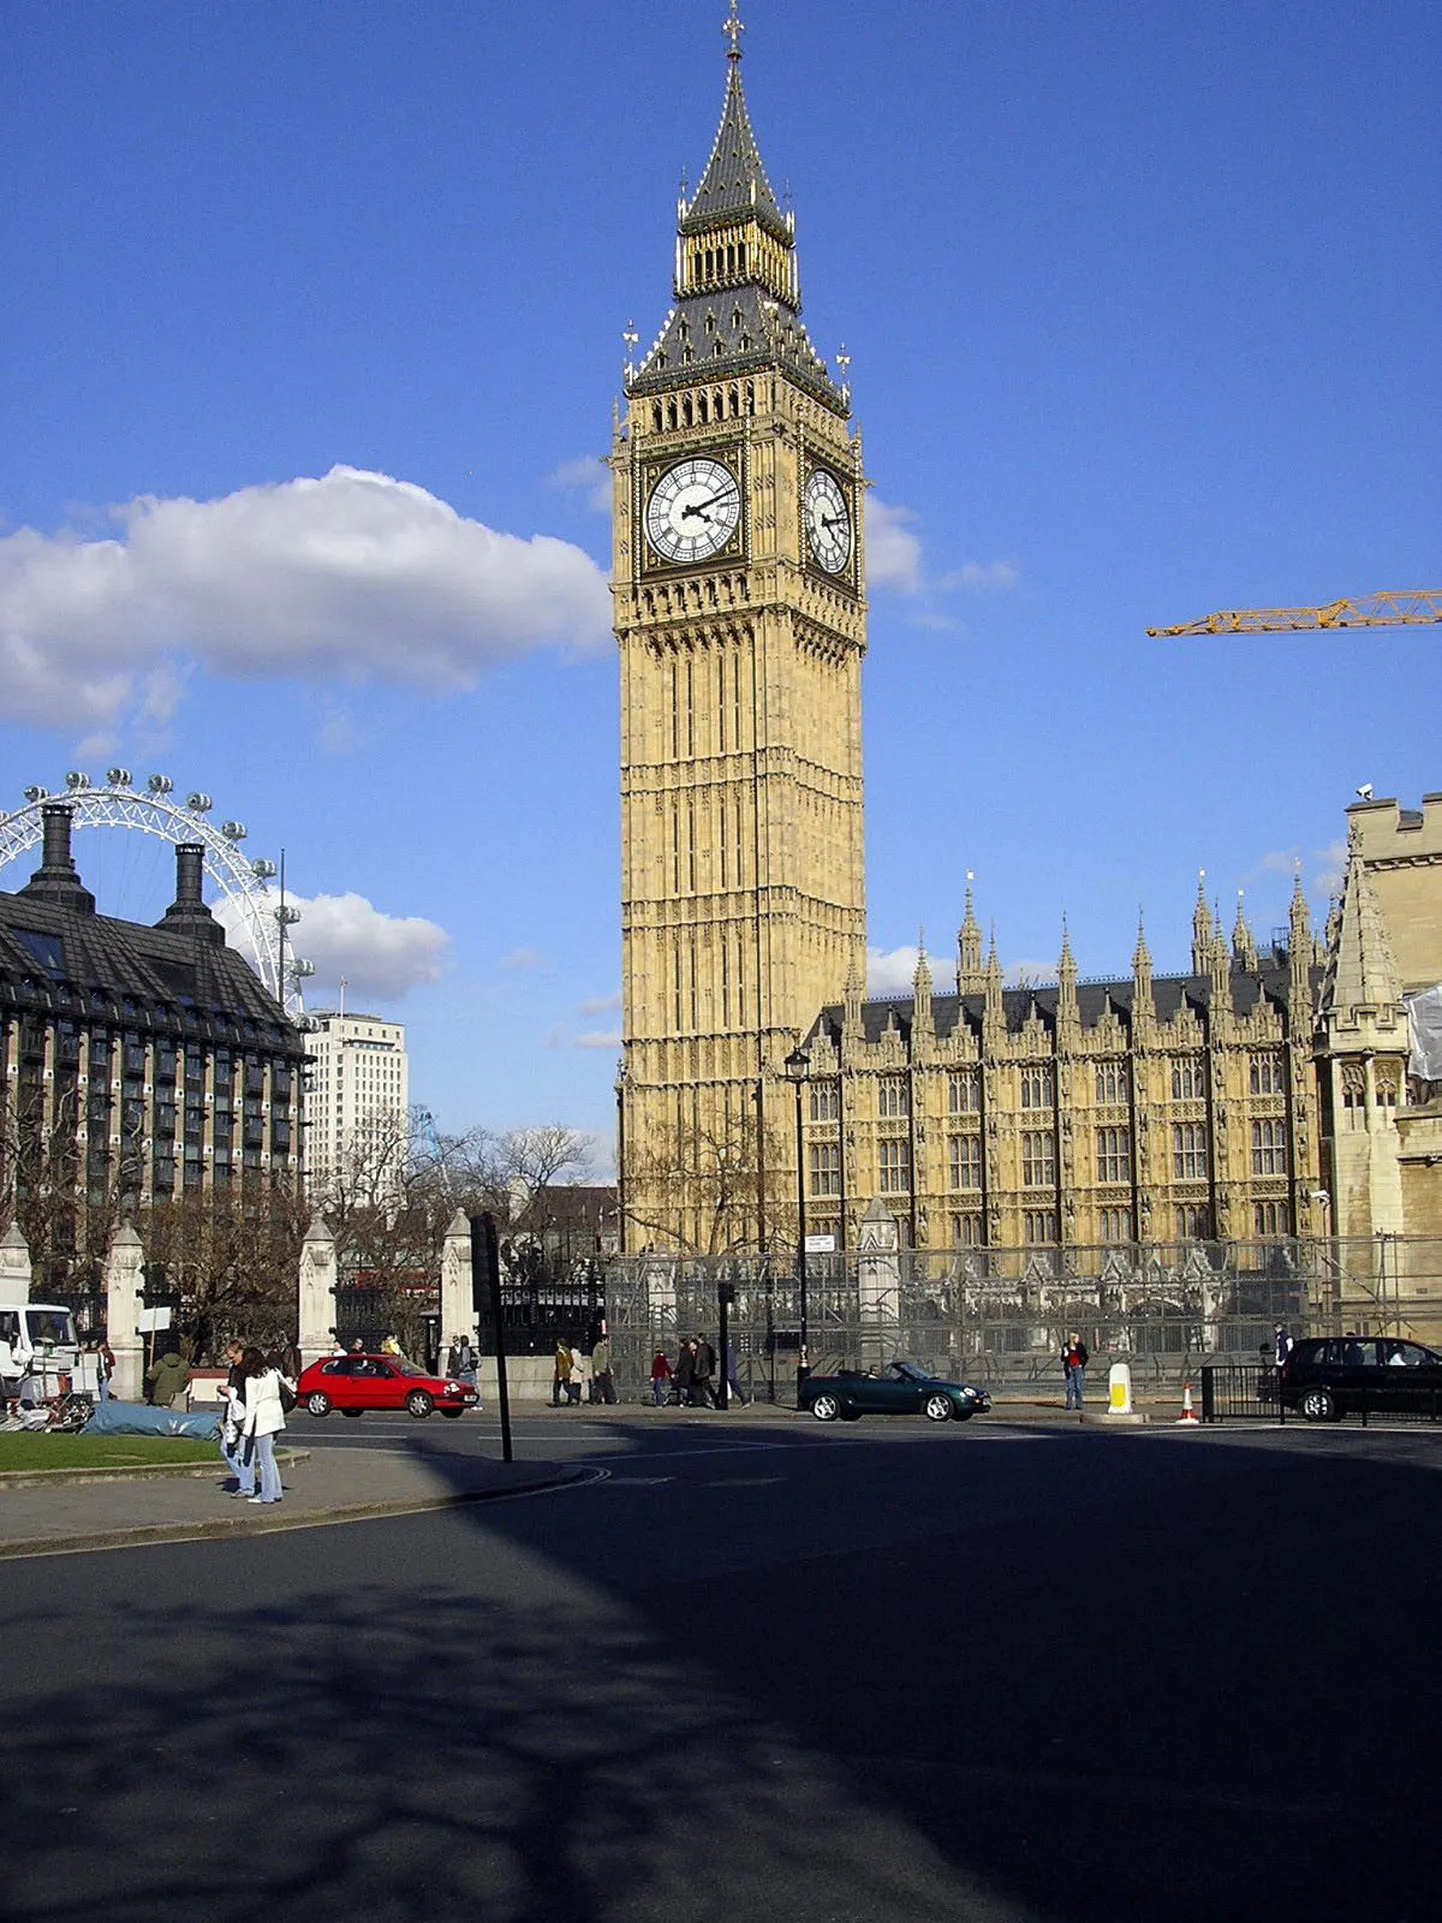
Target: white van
(38, 1339)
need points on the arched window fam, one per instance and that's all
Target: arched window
(656, 417)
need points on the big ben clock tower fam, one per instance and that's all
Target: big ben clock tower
(741, 617)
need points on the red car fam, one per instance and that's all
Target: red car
(355, 1383)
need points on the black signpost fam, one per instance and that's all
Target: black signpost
(486, 1299)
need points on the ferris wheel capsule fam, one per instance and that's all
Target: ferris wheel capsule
(302, 970)
(77, 782)
(33, 793)
(201, 803)
(160, 784)
(263, 870)
(234, 830)
(118, 777)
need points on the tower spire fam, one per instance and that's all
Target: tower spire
(734, 28)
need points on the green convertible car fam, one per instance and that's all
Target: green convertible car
(901, 1389)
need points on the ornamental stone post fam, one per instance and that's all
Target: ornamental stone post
(878, 1277)
(123, 1280)
(316, 1307)
(14, 1265)
(458, 1314)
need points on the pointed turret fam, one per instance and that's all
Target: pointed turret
(969, 977)
(1302, 955)
(1143, 1007)
(995, 1007)
(1068, 1009)
(1244, 942)
(852, 1032)
(738, 283)
(1220, 971)
(1361, 972)
(923, 1022)
(1203, 929)
(734, 186)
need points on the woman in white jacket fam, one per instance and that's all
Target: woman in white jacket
(262, 1420)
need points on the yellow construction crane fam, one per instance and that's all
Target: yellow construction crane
(1414, 608)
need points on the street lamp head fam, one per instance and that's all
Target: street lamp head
(798, 1063)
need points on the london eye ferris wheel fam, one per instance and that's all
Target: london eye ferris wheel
(258, 913)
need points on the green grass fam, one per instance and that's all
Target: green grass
(101, 1452)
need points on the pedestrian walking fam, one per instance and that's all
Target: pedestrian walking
(232, 1423)
(104, 1370)
(703, 1374)
(662, 1375)
(1074, 1359)
(263, 1420)
(685, 1368)
(1281, 1344)
(733, 1378)
(559, 1388)
(576, 1380)
(601, 1371)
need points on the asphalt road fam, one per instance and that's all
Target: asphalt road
(983, 1672)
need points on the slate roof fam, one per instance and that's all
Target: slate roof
(736, 330)
(735, 182)
(1169, 994)
(66, 961)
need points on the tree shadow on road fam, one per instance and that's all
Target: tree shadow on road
(1074, 1681)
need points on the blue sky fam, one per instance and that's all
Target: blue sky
(311, 328)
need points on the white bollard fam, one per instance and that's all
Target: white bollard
(1119, 1389)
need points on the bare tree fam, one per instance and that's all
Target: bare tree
(530, 1160)
(232, 1255)
(698, 1186)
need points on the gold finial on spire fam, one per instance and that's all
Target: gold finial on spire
(734, 28)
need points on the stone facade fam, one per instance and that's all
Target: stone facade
(1152, 1109)
(1383, 1125)
(137, 1064)
(741, 620)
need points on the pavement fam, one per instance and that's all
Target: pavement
(122, 1510)
(61, 1511)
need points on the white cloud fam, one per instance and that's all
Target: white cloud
(598, 1038)
(378, 954)
(982, 575)
(523, 958)
(338, 734)
(893, 552)
(587, 476)
(889, 971)
(1332, 865)
(349, 577)
(601, 1004)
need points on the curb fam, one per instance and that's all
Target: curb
(127, 1472)
(560, 1476)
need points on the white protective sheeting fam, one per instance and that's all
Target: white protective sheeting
(1424, 1025)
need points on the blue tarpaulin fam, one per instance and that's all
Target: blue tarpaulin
(139, 1419)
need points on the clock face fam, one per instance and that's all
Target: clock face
(694, 510)
(828, 522)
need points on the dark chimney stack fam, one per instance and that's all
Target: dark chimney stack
(188, 914)
(189, 868)
(55, 880)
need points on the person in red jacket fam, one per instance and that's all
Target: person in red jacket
(1074, 1359)
(660, 1378)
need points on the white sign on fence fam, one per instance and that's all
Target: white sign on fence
(152, 1321)
(821, 1245)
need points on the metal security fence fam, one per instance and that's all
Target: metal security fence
(1000, 1316)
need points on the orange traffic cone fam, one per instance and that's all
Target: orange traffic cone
(1188, 1414)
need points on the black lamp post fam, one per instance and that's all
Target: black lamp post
(798, 1064)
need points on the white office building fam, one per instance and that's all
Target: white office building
(358, 1092)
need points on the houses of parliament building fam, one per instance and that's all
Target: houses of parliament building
(1264, 1094)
